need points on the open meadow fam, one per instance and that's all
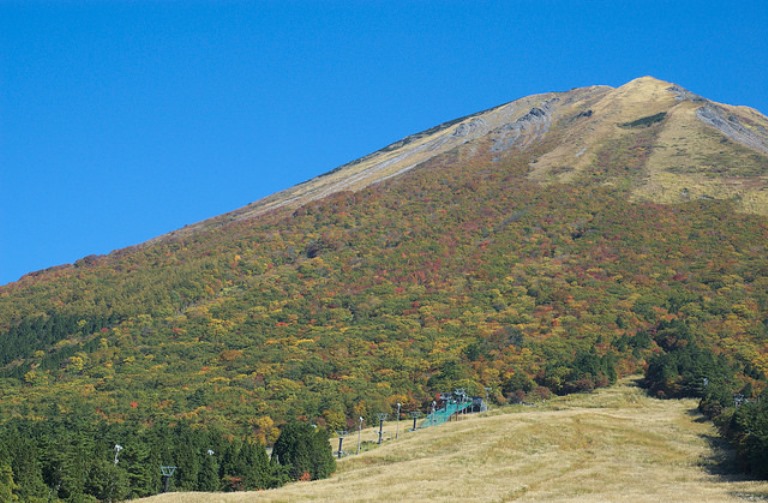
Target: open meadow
(614, 445)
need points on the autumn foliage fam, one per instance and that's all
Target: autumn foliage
(454, 275)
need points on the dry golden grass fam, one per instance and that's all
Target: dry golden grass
(688, 160)
(584, 139)
(614, 445)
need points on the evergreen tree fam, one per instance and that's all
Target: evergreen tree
(107, 482)
(25, 465)
(261, 471)
(77, 456)
(7, 486)
(229, 470)
(305, 450)
(254, 466)
(747, 429)
(137, 461)
(246, 458)
(208, 476)
(187, 457)
(160, 441)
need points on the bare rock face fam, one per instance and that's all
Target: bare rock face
(741, 130)
(527, 129)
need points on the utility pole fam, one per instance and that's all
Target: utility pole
(167, 472)
(459, 395)
(415, 415)
(341, 434)
(381, 417)
(397, 427)
(359, 433)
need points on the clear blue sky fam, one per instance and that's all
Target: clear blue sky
(124, 120)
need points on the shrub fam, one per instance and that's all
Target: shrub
(645, 121)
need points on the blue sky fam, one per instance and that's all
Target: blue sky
(121, 121)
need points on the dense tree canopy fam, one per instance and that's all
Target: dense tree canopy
(75, 458)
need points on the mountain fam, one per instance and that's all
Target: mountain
(547, 245)
(686, 157)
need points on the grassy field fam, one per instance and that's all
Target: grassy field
(614, 445)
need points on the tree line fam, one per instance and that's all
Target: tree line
(75, 459)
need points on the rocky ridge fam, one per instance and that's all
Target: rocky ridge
(579, 125)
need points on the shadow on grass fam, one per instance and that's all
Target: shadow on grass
(721, 460)
(698, 417)
(721, 463)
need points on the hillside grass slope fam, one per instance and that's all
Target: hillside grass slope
(615, 445)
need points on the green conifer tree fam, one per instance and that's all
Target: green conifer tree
(107, 481)
(208, 476)
(139, 465)
(7, 486)
(306, 450)
(187, 457)
(26, 468)
(229, 469)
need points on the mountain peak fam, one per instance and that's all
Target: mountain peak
(647, 90)
(579, 126)
(648, 81)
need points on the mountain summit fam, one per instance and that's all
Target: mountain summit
(686, 147)
(547, 245)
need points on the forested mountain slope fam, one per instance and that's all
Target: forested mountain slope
(537, 247)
